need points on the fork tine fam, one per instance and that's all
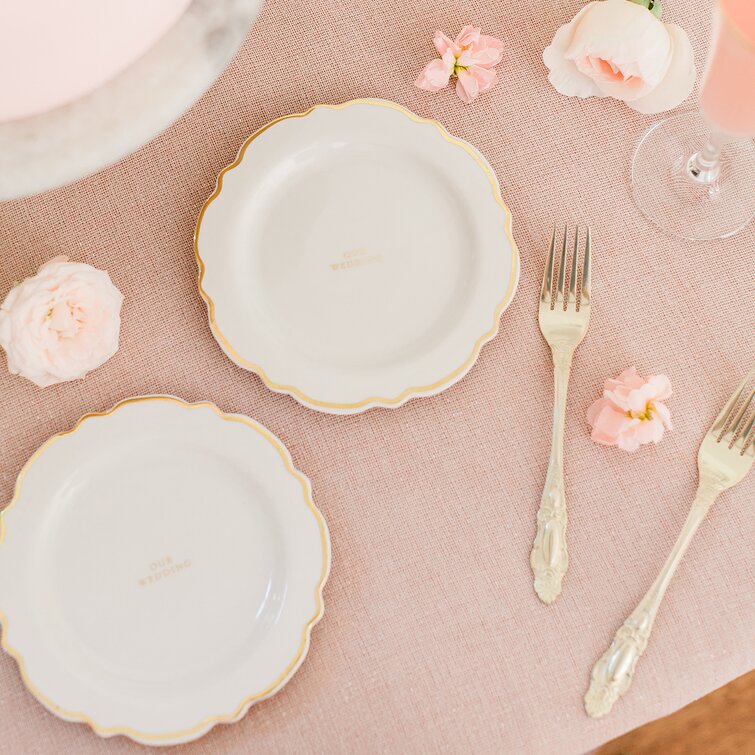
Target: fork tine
(586, 274)
(573, 272)
(746, 436)
(722, 422)
(739, 417)
(545, 291)
(562, 268)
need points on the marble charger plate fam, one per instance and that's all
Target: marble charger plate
(356, 256)
(161, 569)
(43, 151)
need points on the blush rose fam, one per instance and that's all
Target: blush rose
(617, 48)
(61, 323)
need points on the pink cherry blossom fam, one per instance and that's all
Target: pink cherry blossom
(630, 412)
(471, 57)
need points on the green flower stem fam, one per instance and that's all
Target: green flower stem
(654, 6)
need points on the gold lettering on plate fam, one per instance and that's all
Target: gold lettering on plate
(163, 568)
(355, 258)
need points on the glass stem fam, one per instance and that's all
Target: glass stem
(705, 165)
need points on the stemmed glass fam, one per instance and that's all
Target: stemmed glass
(693, 175)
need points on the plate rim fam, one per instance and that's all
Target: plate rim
(411, 391)
(207, 723)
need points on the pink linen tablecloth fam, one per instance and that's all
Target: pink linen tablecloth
(433, 639)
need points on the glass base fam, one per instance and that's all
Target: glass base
(668, 193)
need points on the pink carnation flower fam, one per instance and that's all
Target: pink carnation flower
(471, 57)
(631, 413)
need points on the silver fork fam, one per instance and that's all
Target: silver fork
(725, 457)
(563, 315)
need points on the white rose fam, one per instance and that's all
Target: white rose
(61, 323)
(617, 48)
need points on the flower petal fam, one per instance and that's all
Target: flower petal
(492, 44)
(619, 397)
(628, 442)
(661, 386)
(486, 53)
(443, 44)
(469, 35)
(467, 86)
(610, 425)
(649, 431)
(436, 73)
(595, 409)
(679, 80)
(663, 413)
(486, 77)
(631, 378)
(639, 398)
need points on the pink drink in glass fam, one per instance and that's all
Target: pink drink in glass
(728, 93)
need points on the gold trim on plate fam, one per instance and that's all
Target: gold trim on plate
(207, 723)
(407, 392)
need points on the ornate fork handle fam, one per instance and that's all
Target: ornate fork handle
(612, 674)
(549, 558)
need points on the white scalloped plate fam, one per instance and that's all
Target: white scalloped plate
(161, 568)
(356, 255)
